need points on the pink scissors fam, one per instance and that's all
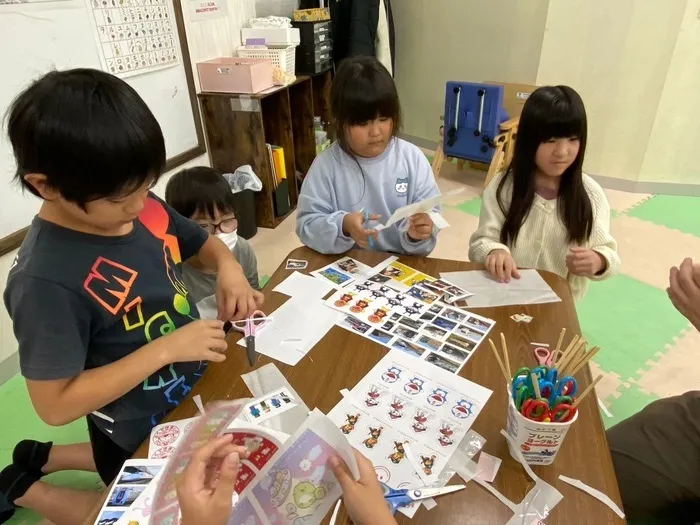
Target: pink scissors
(545, 356)
(249, 327)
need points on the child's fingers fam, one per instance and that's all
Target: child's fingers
(342, 474)
(227, 479)
(515, 272)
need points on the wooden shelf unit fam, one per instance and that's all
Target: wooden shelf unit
(237, 127)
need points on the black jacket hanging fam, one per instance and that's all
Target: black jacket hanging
(354, 27)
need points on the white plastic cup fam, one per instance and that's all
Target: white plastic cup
(538, 442)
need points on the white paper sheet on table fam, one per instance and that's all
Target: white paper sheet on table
(298, 325)
(419, 207)
(531, 288)
(300, 285)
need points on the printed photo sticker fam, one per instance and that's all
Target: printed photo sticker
(454, 353)
(355, 325)
(380, 336)
(443, 363)
(427, 316)
(405, 332)
(397, 271)
(445, 324)
(429, 343)
(459, 342)
(422, 295)
(407, 347)
(296, 264)
(334, 276)
(417, 278)
(435, 331)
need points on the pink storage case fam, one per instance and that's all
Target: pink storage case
(235, 75)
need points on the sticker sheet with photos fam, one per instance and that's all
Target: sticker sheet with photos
(444, 336)
(374, 301)
(134, 478)
(400, 402)
(344, 271)
(270, 405)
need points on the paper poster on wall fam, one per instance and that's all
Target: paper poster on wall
(15, 2)
(134, 36)
(206, 9)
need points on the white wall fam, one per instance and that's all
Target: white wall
(616, 54)
(671, 154)
(468, 40)
(206, 39)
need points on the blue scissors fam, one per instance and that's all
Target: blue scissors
(402, 497)
(370, 238)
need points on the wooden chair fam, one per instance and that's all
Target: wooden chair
(502, 156)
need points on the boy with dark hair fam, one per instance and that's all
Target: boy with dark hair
(203, 195)
(103, 319)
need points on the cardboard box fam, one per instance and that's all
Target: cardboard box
(514, 96)
(312, 15)
(235, 75)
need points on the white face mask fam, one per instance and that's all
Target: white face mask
(229, 239)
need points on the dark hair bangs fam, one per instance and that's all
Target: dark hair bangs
(557, 114)
(199, 190)
(363, 90)
(88, 132)
(367, 101)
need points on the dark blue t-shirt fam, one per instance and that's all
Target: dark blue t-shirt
(80, 301)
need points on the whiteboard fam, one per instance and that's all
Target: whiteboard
(38, 37)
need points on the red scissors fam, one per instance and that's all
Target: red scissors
(249, 327)
(538, 410)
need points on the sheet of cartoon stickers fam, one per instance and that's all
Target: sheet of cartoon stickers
(406, 310)
(401, 404)
(278, 483)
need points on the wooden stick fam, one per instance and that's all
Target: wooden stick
(583, 362)
(575, 357)
(505, 356)
(557, 353)
(500, 363)
(567, 352)
(586, 392)
(536, 386)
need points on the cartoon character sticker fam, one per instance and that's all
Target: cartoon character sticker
(359, 306)
(352, 420)
(391, 375)
(428, 463)
(463, 409)
(373, 395)
(447, 430)
(378, 315)
(414, 386)
(419, 421)
(344, 299)
(373, 439)
(399, 453)
(397, 407)
(438, 397)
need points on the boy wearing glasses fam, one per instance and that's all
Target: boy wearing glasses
(203, 195)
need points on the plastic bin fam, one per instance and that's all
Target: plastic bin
(281, 57)
(244, 202)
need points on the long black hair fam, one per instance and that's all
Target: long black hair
(550, 112)
(362, 90)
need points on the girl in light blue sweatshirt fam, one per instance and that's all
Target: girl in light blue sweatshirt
(368, 173)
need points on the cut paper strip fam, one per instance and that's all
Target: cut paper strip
(438, 220)
(604, 409)
(198, 401)
(603, 498)
(487, 467)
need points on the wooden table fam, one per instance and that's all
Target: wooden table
(341, 360)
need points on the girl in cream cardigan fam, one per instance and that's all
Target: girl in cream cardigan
(544, 212)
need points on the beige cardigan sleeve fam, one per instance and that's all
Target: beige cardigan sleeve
(487, 236)
(601, 239)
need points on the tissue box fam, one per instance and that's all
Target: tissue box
(312, 15)
(235, 75)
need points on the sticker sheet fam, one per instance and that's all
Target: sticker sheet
(134, 478)
(402, 404)
(444, 336)
(134, 36)
(165, 437)
(374, 303)
(344, 271)
(270, 405)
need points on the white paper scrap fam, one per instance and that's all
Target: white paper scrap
(420, 207)
(301, 285)
(603, 498)
(487, 467)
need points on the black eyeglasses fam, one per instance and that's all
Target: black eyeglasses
(225, 226)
